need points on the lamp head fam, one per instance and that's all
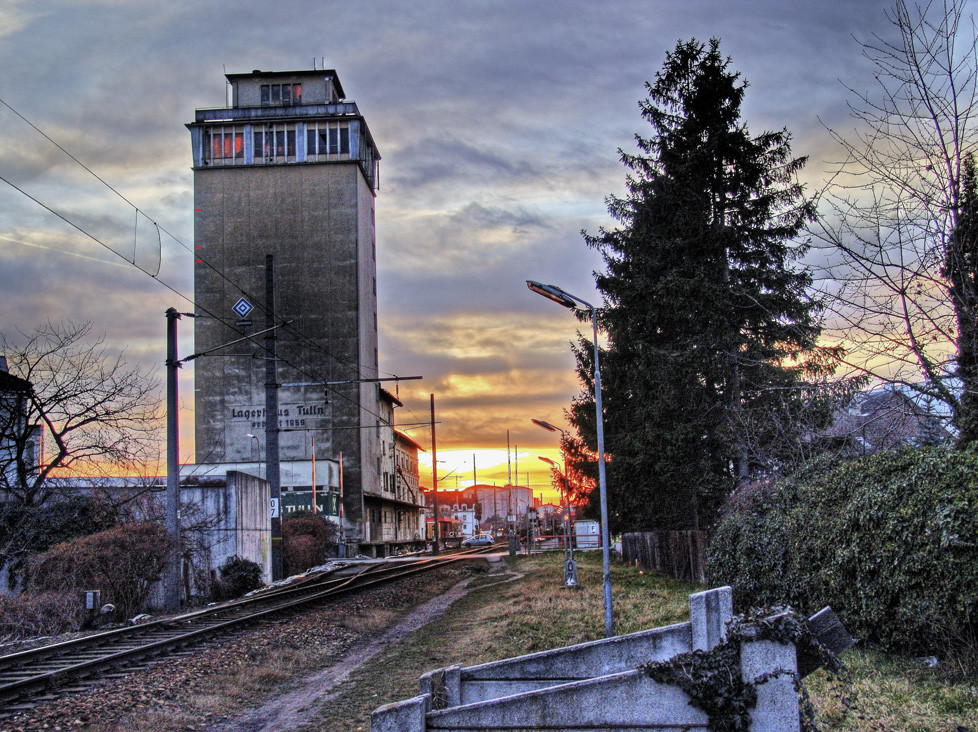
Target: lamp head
(552, 292)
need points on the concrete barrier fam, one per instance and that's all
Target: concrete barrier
(630, 700)
(709, 614)
(599, 685)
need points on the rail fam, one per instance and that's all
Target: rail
(82, 660)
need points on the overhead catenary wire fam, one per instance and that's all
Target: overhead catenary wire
(309, 341)
(295, 331)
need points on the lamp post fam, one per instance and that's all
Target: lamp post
(569, 301)
(258, 443)
(570, 566)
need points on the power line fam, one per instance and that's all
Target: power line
(351, 366)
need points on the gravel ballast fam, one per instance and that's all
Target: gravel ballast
(207, 688)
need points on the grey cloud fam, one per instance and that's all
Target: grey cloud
(448, 159)
(498, 120)
(517, 219)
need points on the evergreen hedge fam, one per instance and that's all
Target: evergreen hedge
(889, 541)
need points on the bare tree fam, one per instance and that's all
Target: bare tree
(891, 214)
(76, 410)
(788, 427)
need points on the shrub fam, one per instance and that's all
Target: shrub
(46, 613)
(238, 577)
(28, 530)
(123, 562)
(890, 541)
(307, 538)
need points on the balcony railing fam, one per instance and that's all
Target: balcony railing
(235, 114)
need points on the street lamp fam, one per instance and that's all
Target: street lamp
(549, 427)
(570, 566)
(258, 443)
(569, 301)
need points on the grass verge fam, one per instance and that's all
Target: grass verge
(528, 609)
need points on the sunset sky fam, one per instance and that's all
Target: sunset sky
(498, 122)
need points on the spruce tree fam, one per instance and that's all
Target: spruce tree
(707, 317)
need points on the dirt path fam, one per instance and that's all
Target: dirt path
(301, 705)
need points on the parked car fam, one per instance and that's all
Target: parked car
(479, 540)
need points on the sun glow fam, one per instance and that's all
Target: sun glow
(463, 467)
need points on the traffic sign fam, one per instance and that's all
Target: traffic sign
(242, 307)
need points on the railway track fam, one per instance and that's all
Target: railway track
(49, 672)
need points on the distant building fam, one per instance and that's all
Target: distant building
(394, 510)
(466, 520)
(407, 484)
(490, 504)
(20, 442)
(886, 419)
(289, 169)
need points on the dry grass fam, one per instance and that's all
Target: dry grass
(508, 618)
(369, 620)
(895, 694)
(536, 612)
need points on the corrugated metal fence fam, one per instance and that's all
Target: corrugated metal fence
(679, 554)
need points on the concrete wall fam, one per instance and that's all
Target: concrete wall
(220, 517)
(235, 518)
(252, 532)
(709, 613)
(584, 687)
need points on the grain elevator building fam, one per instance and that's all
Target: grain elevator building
(289, 170)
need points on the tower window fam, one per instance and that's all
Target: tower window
(224, 146)
(339, 141)
(325, 140)
(280, 94)
(275, 144)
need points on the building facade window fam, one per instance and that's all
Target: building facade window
(275, 143)
(224, 145)
(327, 141)
(273, 95)
(296, 142)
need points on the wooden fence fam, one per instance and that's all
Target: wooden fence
(678, 554)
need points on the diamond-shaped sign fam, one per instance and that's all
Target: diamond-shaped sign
(242, 307)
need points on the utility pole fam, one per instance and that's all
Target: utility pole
(434, 474)
(272, 468)
(314, 476)
(342, 546)
(172, 583)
